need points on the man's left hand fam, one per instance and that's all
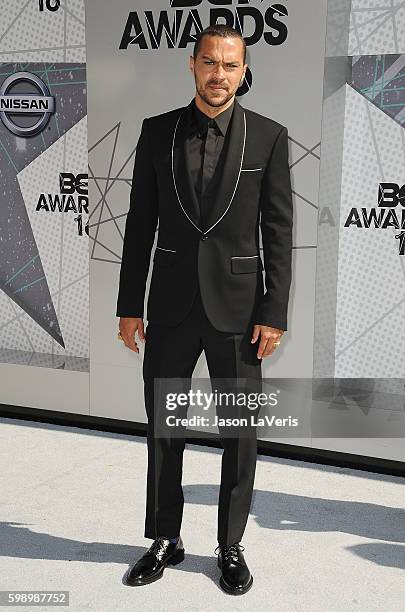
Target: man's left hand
(268, 336)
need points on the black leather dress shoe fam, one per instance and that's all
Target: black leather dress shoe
(150, 566)
(236, 578)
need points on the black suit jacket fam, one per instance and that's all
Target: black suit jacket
(223, 257)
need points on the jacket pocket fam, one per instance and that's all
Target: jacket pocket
(249, 167)
(246, 263)
(164, 257)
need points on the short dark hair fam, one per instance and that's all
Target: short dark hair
(219, 29)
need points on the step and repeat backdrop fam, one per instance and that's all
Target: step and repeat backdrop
(44, 243)
(76, 81)
(359, 336)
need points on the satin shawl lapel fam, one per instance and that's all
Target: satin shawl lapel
(185, 192)
(184, 188)
(222, 199)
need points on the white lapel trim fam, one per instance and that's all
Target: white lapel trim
(162, 249)
(244, 256)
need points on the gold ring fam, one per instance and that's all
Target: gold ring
(120, 336)
(276, 343)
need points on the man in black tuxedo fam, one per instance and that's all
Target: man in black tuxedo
(208, 174)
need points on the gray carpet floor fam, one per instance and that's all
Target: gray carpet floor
(72, 502)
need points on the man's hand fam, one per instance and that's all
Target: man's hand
(268, 335)
(128, 326)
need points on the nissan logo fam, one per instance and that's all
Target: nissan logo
(30, 104)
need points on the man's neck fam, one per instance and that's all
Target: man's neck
(211, 111)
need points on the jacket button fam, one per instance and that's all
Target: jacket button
(204, 237)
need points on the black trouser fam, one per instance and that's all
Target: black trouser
(173, 352)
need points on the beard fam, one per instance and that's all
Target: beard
(226, 95)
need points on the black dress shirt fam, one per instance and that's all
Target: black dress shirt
(204, 146)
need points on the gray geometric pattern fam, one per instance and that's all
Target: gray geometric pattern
(360, 295)
(377, 26)
(365, 27)
(328, 234)
(370, 333)
(381, 79)
(28, 35)
(338, 28)
(44, 263)
(108, 211)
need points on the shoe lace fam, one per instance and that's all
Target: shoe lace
(230, 551)
(158, 547)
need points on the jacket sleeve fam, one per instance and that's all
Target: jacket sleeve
(276, 225)
(140, 230)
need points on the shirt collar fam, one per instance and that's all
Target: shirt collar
(222, 120)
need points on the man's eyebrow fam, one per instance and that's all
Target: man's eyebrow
(210, 58)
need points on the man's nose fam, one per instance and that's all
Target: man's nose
(219, 72)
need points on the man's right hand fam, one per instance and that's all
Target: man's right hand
(128, 326)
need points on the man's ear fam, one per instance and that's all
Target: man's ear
(191, 64)
(243, 77)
